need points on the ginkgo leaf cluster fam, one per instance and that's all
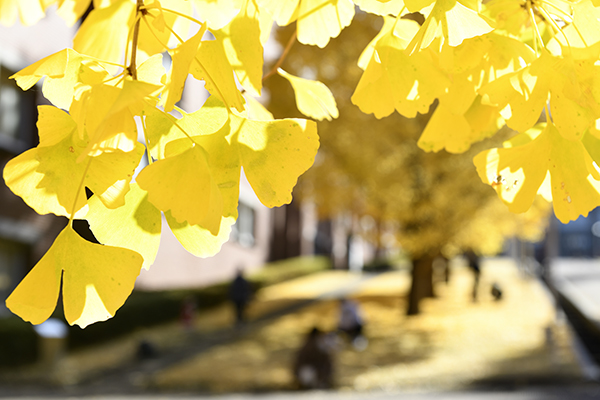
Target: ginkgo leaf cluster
(483, 65)
(111, 89)
(493, 63)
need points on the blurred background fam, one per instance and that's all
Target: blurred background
(392, 271)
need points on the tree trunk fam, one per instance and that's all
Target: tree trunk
(428, 277)
(422, 283)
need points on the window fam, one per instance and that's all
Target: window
(17, 115)
(243, 229)
(9, 106)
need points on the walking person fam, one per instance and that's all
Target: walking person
(240, 294)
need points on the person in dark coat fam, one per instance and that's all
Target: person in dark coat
(473, 261)
(313, 367)
(240, 294)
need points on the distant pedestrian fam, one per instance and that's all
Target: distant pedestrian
(473, 261)
(188, 310)
(240, 294)
(313, 367)
(146, 350)
(351, 323)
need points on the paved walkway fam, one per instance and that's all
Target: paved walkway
(493, 344)
(127, 375)
(579, 280)
(584, 392)
(577, 285)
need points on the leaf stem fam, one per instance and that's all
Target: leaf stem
(564, 14)
(175, 122)
(535, 27)
(287, 49)
(175, 33)
(136, 32)
(180, 14)
(129, 33)
(417, 41)
(99, 61)
(115, 77)
(549, 18)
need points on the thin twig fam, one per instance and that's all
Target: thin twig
(288, 47)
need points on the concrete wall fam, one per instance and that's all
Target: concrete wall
(176, 268)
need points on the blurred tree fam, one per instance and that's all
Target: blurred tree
(372, 167)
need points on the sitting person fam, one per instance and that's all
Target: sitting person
(351, 323)
(313, 368)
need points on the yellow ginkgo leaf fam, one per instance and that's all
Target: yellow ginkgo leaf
(256, 110)
(592, 145)
(388, 25)
(96, 281)
(225, 166)
(198, 240)
(29, 11)
(317, 20)
(135, 226)
(183, 184)
(566, 82)
(53, 66)
(581, 38)
(274, 154)
(381, 7)
(162, 129)
(417, 5)
(153, 42)
(213, 67)
(575, 182)
(105, 114)
(394, 80)
(453, 21)
(72, 10)
(457, 132)
(53, 126)
(181, 60)
(104, 32)
(510, 16)
(526, 91)
(242, 42)
(107, 174)
(63, 70)
(21, 176)
(321, 20)
(313, 98)
(217, 14)
(517, 173)
(152, 70)
(225, 171)
(50, 179)
(571, 119)
(284, 12)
